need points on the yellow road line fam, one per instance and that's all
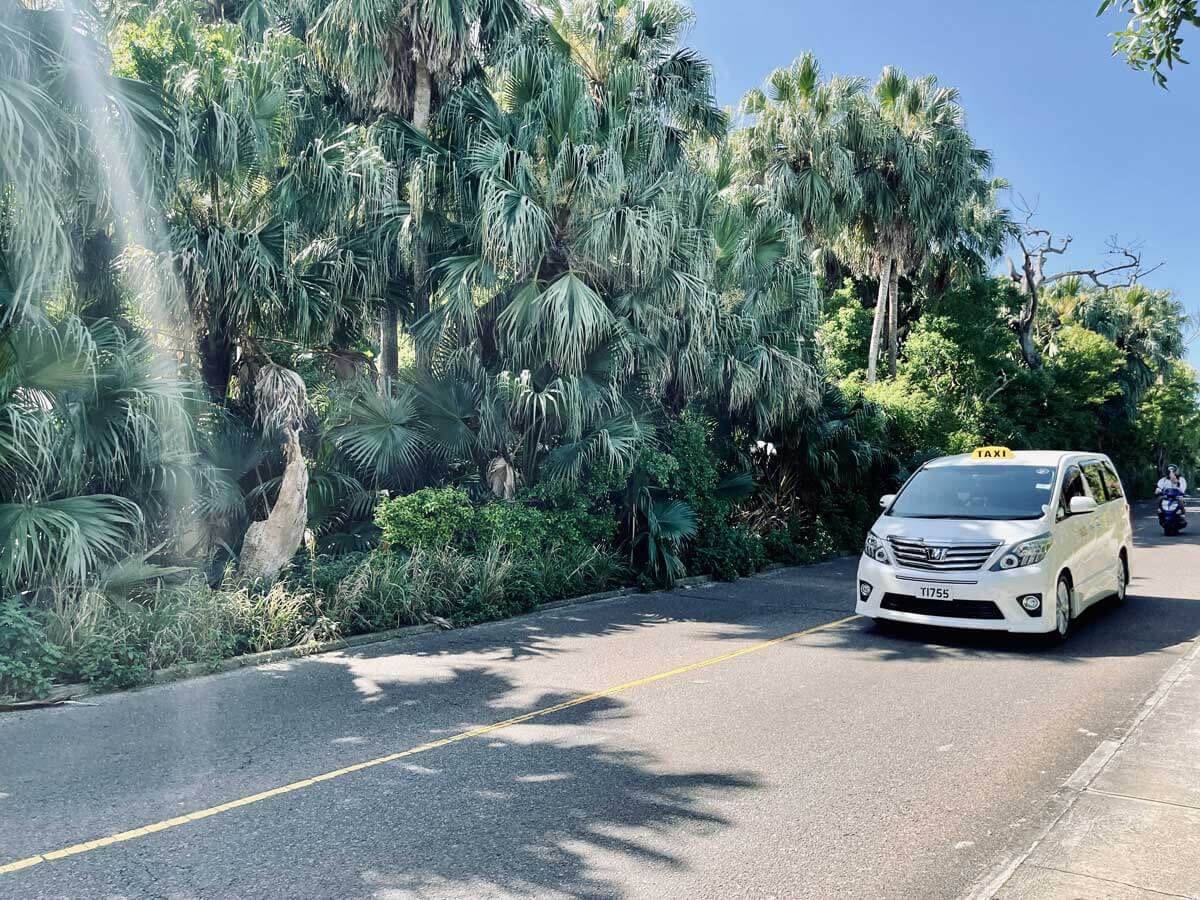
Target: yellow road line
(154, 827)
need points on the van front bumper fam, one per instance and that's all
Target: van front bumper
(983, 600)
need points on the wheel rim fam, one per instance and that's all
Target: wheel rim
(1063, 607)
(1122, 580)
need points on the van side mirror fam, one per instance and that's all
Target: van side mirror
(1081, 505)
(886, 500)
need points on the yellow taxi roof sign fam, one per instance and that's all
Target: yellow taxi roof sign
(992, 453)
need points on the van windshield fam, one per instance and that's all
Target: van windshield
(976, 492)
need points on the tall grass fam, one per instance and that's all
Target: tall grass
(121, 643)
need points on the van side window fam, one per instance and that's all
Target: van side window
(1094, 474)
(1072, 487)
(1112, 482)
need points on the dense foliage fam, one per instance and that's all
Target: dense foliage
(1152, 37)
(505, 299)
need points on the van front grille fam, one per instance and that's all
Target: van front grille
(942, 556)
(949, 609)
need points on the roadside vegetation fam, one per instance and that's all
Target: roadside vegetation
(321, 317)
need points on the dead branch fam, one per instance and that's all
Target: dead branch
(1030, 276)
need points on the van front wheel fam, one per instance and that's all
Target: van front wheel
(1063, 617)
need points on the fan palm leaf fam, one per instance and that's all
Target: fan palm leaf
(62, 540)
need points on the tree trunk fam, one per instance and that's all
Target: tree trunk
(422, 98)
(1029, 349)
(893, 319)
(216, 364)
(270, 543)
(1030, 280)
(214, 189)
(389, 349)
(881, 305)
(422, 105)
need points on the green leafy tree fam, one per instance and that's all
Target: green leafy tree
(281, 219)
(1151, 40)
(1168, 427)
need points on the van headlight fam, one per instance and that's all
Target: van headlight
(877, 550)
(1026, 553)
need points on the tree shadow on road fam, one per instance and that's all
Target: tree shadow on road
(556, 806)
(562, 805)
(547, 819)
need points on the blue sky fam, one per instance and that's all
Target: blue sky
(1095, 145)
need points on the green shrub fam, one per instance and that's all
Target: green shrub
(113, 658)
(516, 525)
(522, 525)
(802, 543)
(389, 590)
(430, 517)
(325, 572)
(779, 547)
(376, 595)
(844, 332)
(28, 659)
(727, 552)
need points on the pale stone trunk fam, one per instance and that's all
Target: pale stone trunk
(422, 98)
(270, 543)
(422, 108)
(893, 319)
(881, 307)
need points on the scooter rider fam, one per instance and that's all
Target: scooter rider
(1172, 480)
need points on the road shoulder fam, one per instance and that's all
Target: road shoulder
(1127, 823)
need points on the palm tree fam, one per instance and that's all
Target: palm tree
(802, 147)
(90, 463)
(884, 180)
(760, 366)
(95, 438)
(575, 271)
(54, 190)
(280, 220)
(401, 57)
(922, 169)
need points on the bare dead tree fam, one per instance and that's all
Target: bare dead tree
(1030, 277)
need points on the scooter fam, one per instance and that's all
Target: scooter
(1172, 514)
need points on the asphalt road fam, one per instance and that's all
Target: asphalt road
(844, 762)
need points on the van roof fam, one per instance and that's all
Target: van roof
(1049, 458)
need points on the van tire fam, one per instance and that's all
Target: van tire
(1064, 615)
(1123, 575)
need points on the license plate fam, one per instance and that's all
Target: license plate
(934, 592)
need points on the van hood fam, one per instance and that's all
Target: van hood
(960, 530)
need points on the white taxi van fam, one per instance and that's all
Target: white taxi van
(1009, 541)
